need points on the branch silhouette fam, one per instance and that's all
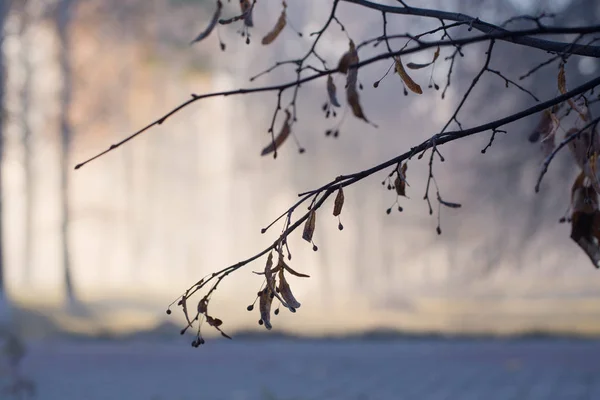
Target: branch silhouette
(451, 34)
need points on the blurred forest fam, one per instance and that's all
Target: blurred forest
(109, 246)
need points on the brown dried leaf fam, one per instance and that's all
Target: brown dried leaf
(309, 226)
(352, 95)
(549, 136)
(353, 100)
(293, 272)
(286, 291)
(349, 58)
(215, 322)
(562, 87)
(264, 306)
(585, 149)
(585, 219)
(331, 92)
(272, 35)
(269, 273)
(543, 126)
(213, 22)
(562, 81)
(280, 138)
(183, 303)
(408, 81)
(338, 203)
(400, 181)
(420, 66)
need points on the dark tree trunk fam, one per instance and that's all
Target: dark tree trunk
(3, 13)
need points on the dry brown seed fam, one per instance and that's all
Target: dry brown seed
(280, 138)
(309, 226)
(272, 35)
(338, 203)
(408, 81)
(286, 291)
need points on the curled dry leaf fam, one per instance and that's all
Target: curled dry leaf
(246, 8)
(353, 100)
(214, 322)
(265, 307)
(282, 265)
(549, 136)
(269, 272)
(585, 218)
(562, 80)
(213, 22)
(309, 226)
(280, 138)
(408, 81)
(286, 291)
(542, 127)
(183, 303)
(400, 182)
(331, 92)
(585, 149)
(349, 58)
(352, 94)
(338, 203)
(272, 35)
(562, 87)
(293, 272)
(420, 66)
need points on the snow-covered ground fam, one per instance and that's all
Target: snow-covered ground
(285, 369)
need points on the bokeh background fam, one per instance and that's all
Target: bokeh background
(103, 250)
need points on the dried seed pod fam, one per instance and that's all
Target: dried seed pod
(309, 226)
(280, 138)
(408, 81)
(331, 92)
(265, 307)
(286, 291)
(419, 66)
(272, 35)
(213, 22)
(338, 203)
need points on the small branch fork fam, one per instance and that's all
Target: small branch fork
(449, 38)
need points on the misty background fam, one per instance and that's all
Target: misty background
(108, 247)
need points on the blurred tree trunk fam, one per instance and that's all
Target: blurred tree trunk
(25, 98)
(4, 4)
(63, 24)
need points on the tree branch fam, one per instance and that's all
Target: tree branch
(482, 26)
